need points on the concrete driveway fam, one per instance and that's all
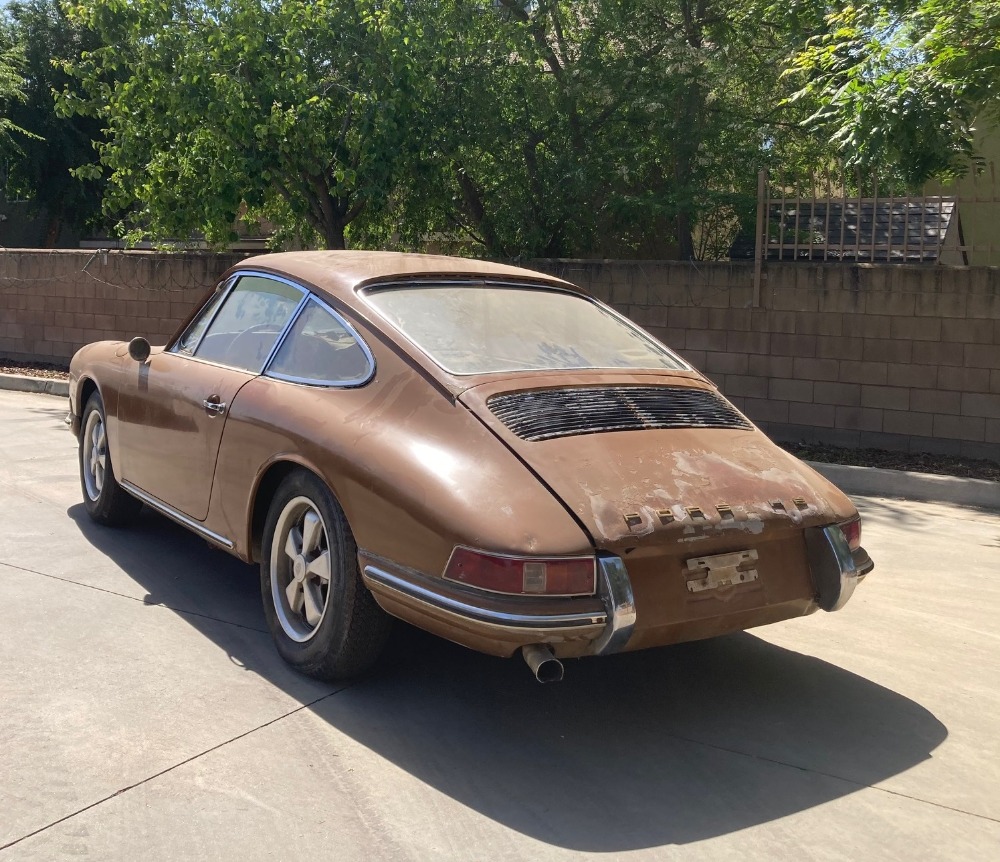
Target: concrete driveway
(145, 715)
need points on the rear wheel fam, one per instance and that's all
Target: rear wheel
(104, 499)
(324, 620)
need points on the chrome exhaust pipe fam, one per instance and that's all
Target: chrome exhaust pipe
(545, 666)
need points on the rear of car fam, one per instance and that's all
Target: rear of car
(698, 524)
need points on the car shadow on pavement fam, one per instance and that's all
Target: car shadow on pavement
(667, 746)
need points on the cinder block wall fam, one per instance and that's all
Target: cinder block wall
(53, 302)
(892, 357)
(896, 357)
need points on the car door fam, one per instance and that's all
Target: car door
(173, 411)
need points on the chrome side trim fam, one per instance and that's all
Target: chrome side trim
(616, 591)
(464, 609)
(174, 515)
(831, 564)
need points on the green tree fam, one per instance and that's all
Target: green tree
(899, 84)
(40, 170)
(603, 127)
(11, 94)
(294, 111)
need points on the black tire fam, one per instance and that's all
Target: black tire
(350, 634)
(104, 499)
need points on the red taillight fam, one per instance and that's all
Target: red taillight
(559, 576)
(852, 532)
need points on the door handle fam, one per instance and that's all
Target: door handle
(214, 406)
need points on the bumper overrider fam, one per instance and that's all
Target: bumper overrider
(587, 625)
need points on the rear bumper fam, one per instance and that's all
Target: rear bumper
(501, 625)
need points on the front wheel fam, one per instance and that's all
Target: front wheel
(324, 620)
(104, 499)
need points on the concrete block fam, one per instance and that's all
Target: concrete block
(965, 379)
(777, 321)
(846, 394)
(968, 331)
(982, 356)
(810, 323)
(868, 325)
(793, 345)
(859, 418)
(938, 353)
(863, 372)
(790, 390)
(772, 366)
(974, 404)
(695, 357)
(795, 300)
(893, 304)
(726, 363)
(886, 397)
(941, 305)
(839, 347)
(817, 369)
(816, 415)
(984, 307)
(907, 422)
(748, 342)
(705, 339)
(916, 328)
(924, 376)
(994, 379)
(746, 385)
(935, 401)
(766, 410)
(887, 350)
(960, 427)
(993, 430)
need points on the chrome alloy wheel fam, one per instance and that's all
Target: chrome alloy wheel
(95, 454)
(300, 569)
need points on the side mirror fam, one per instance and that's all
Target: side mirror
(138, 349)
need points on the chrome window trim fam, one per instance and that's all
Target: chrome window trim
(230, 287)
(174, 515)
(226, 287)
(325, 384)
(365, 290)
(469, 611)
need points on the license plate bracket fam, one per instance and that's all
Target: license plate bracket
(721, 570)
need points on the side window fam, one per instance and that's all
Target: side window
(319, 349)
(192, 335)
(247, 326)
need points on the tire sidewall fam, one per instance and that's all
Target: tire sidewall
(96, 508)
(330, 638)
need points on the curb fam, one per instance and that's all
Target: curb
(42, 385)
(878, 482)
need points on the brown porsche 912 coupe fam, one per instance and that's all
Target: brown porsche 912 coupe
(483, 451)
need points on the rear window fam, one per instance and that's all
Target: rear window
(478, 329)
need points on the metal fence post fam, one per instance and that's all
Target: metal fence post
(759, 246)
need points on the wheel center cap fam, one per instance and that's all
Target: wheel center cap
(299, 567)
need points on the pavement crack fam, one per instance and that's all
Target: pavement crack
(177, 610)
(171, 768)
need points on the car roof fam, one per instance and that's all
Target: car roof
(340, 273)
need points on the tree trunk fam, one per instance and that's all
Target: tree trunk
(333, 235)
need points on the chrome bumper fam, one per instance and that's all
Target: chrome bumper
(834, 568)
(608, 623)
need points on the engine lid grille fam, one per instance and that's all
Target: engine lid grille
(544, 414)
